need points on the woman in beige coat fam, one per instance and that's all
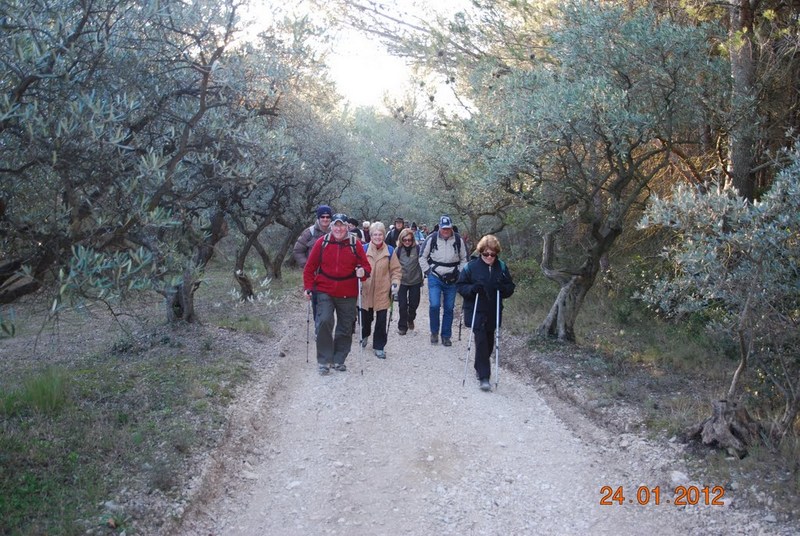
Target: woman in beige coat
(376, 292)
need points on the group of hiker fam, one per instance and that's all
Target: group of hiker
(352, 276)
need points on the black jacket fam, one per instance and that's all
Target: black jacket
(481, 281)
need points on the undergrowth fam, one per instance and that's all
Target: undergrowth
(121, 410)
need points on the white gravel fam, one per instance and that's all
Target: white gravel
(400, 447)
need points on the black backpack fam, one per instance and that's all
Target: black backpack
(450, 277)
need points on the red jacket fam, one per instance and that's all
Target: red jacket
(335, 275)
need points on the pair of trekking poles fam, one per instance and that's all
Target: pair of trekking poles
(496, 341)
(388, 327)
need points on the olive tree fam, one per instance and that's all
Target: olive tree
(583, 133)
(739, 262)
(126, 138)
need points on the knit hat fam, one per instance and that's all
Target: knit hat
(322, 210)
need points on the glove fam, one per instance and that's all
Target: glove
(478, 289)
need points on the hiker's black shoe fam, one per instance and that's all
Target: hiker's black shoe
(402, 331)
(446, 341)
(364, 342)
(323, 370)
(340, 367)
(485, 385)
(411, 325)
(434, 338)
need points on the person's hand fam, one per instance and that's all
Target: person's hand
(477, 289)
(308, 294)
(394, 291)
(360, 272)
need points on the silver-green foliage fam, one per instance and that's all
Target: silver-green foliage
(126, 130)
(740, 263)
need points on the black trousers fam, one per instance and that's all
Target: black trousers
(408, 301)
(484, 346)
(367, 315)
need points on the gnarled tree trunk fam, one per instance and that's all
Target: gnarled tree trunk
(730, 427)
(560, 321)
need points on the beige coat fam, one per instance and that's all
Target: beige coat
(375, 290)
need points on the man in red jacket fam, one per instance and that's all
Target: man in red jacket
(334, 265)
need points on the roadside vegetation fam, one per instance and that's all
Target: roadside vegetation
(638, 160)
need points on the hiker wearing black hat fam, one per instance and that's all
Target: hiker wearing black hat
(443, 255)
(391, 238)
(310, 235)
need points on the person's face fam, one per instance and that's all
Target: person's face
(446, 233)
(376, 238)
(398, 224)
(408, 240)
(339, 230)
(325, 221)
(350, 226)
(488, 256)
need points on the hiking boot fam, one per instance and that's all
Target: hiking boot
(402, 331)
(434, 338)
(364, 342)
(380, 354)
(446, 341)
(323, 369)
(411, 325)
(485, 385)
(340, 367)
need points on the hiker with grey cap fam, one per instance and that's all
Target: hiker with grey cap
(443, 255)
(336, 264)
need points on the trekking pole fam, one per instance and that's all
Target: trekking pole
(360, 332)
(391, 311)
(469, 344)
(308, 327)
(460, 317)
(497, 344)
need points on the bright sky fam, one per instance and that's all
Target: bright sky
(360, 65)
(363, 71)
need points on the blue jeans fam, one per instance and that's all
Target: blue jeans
(436, 291)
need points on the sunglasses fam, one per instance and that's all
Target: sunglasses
(408, 239)
(487, 254)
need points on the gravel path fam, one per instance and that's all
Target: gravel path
(400, 447)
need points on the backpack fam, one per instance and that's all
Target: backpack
(327, 240)
(434, 246)
(450, 277)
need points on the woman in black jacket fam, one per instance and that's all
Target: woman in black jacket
(486, 279)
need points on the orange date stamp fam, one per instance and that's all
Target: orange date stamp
(678, 496)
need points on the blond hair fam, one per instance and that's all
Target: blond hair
(488, 242)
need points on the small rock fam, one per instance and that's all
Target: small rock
(678, 478)
(293, 484)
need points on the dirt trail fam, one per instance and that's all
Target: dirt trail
(399, 446)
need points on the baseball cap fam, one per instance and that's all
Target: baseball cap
(339, 217)
(324, 209)
(445, 222)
